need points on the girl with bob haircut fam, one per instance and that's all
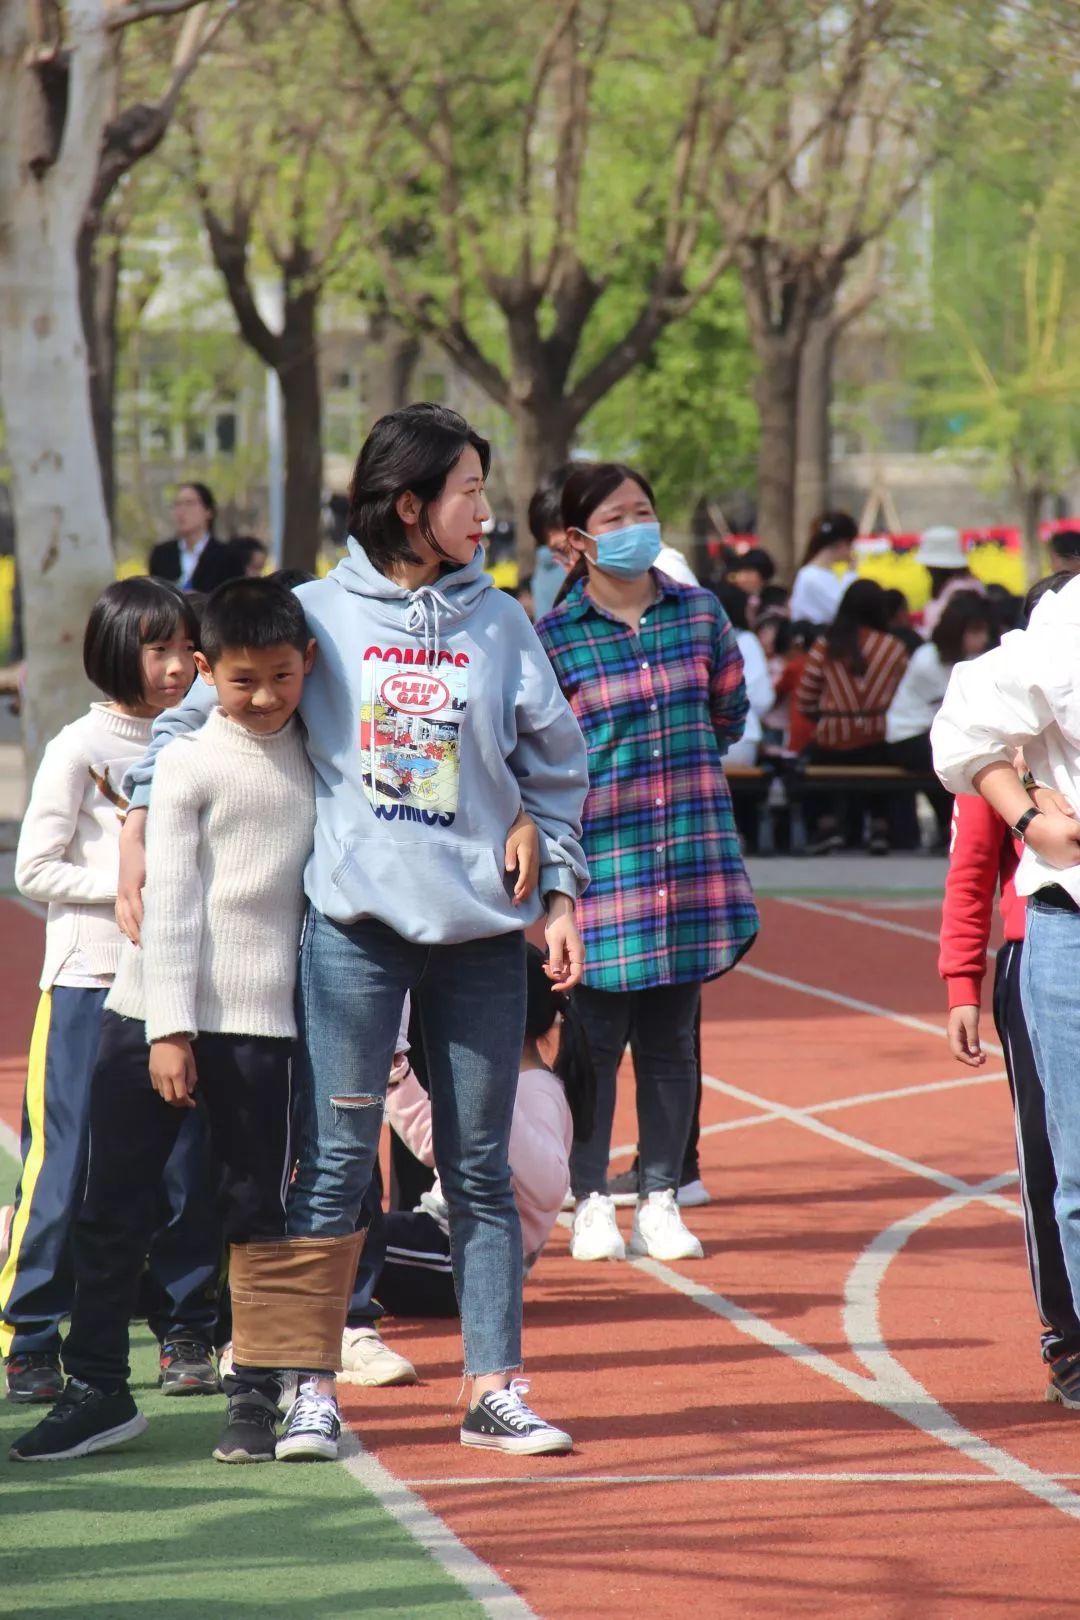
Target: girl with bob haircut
(139, 651)
(651, 669)
(433, 721)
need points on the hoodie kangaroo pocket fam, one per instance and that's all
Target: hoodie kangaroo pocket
(432, 891)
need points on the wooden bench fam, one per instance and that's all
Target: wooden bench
(783, 784)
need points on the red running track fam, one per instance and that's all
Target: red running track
(839, 1411)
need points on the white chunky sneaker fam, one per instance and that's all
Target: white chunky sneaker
(596, 1236)
(502, 1422)
(659, 1231)
(312, 1427)
(365, 1359)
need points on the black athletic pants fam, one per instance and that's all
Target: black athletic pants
(244, 1084)
(1038, 1179)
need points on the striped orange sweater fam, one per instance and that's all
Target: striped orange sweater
(850, 709)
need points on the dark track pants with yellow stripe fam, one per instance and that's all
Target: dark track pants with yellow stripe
(37, 1283)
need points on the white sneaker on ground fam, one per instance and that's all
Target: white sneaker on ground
(596, 1235)
(312, 1427)
(692, 1194)
(659, 1231)
(365, 1359)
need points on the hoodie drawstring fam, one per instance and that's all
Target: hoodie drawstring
(425, 606)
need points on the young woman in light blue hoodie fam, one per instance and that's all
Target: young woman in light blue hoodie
(433, 719)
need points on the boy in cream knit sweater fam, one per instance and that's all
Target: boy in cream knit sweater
(210, 989)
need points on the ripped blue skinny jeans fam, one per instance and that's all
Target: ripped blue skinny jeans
(470, 998)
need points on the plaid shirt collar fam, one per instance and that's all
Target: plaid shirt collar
(579, 604)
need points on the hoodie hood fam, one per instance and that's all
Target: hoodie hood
(429, 611)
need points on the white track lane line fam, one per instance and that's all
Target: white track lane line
(887, 923)
(483, 1585)
(850, 1003)
(898, 1389)
(744, 1121)
(913, 1167)
(767, 1476)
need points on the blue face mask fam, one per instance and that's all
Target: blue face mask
(628, 553)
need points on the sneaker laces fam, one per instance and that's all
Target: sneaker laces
(509, 1406)
(184, 1350)
(594, 1209)
(314, 1411)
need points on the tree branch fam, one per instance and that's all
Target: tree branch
(122, 16)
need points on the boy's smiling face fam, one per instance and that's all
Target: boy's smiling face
(259, 687)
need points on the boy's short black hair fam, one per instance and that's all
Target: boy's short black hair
(545, 507)
(757, 558)
(252, 614)
(129, 615)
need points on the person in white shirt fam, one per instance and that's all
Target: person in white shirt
(941, 552)
(759, 686)
(1025, 695)
(819, 589)
(965, 630)
(138, 650)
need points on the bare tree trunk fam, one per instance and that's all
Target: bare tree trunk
(813, 438)
(777, 394)
(1032, 497)
(62, 534)
(393, 353)
(543, 437)
(99, 287)
(301, 393)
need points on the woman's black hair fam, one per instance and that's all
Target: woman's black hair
(735, 603)
(292, 577)
(587, 488)
(774, 597)
(829, 529)
(1041, 587)
(940, 577)
(247, 545)
(129, 615)
(962, 612)
(206, 495)
(1066, 543)
(252, 613)
(414, 449)
(863, 606)
(573, 1063)
(784, 639)
(896, 602)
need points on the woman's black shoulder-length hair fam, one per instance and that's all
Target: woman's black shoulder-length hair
(411, 449)
(129, 615)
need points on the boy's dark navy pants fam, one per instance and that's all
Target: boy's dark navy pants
(243, 1094)
(37, 1283)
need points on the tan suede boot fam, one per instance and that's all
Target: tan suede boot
(290, 1299)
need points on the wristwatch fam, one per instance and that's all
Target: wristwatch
(1024, 823)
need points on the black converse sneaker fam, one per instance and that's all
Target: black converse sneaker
(502, 1421)
(312, 1427)
(250, 1432)
(83, 1420)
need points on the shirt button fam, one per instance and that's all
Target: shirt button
(645, 665)
(656, 753)
(662, 892)
(653, 707)
(659, 801)
(659, 849)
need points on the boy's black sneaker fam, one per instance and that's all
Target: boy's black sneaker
(84, 1420)
(250, 1432)
(187, 1368)
(623, 1188)
(502, 1422)
(34, 1375)
(1064, 1385)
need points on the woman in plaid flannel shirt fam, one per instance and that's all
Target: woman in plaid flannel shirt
(652, 671)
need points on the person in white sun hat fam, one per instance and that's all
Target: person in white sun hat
(941, 551)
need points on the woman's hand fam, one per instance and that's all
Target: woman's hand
(172, 1071)
(566, 953)
(129, 887)
(1055, 839)
(1046, 799)
(523, 856)
(963, 1036)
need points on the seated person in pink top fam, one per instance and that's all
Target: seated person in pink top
(554, 1105)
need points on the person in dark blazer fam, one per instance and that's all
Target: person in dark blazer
(195, 560)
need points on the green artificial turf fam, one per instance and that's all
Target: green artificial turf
(158, 1529)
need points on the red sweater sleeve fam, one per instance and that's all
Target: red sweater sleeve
(968, 907)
